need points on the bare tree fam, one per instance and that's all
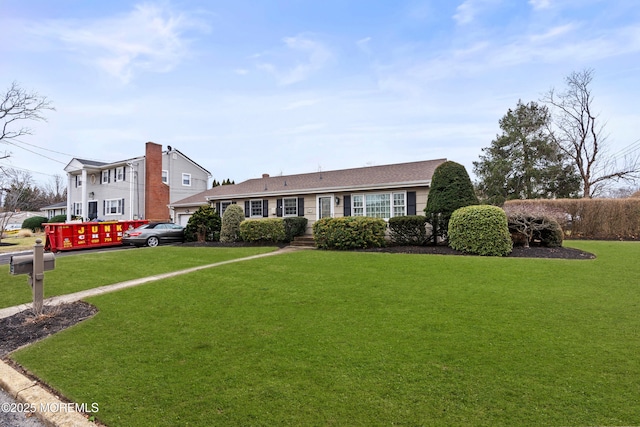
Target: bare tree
(54, 191)
(19, 105)
(578, 132)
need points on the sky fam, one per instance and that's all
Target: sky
(295, 86)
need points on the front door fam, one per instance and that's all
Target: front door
(93, 210)
(325, 206)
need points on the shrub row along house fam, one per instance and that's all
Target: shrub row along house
(375, 191)
(138, 188)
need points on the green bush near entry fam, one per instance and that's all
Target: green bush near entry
(294, 226)
(349, 233)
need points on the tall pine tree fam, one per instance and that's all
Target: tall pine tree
(524, 162)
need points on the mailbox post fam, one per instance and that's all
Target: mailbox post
(34, 265)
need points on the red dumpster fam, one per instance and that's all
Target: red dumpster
(81, 235)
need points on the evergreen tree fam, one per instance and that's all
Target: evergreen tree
(524, 162)
(204, 225)
(451, 189)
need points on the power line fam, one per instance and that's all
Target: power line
(34, 152)
(634, 146)
(42, 148)
(10, 166)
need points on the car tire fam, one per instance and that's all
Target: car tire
(152, 241)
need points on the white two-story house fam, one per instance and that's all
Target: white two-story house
(136, 188)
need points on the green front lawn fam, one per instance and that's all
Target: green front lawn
(331, 338)
(82, 271)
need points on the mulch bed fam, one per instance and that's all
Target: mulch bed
(25, 328)
(518, 251)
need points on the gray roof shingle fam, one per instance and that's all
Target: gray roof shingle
(371, 177)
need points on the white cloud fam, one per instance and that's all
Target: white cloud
(308, 55)
(465, 12)
(540, 4)
(150, 38)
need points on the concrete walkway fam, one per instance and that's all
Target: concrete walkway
(51, 410)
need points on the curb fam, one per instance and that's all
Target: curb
(47, 407)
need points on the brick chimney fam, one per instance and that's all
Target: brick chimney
(156, 192)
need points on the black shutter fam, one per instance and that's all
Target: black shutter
(279, 207)
(247, 207)
(346, 202)
(411, 202)
(218, 207)
(109, 180)
(76, 181)
(124, 173)
(300, 206)
(104, 208)
(265, 208)
(122, 206)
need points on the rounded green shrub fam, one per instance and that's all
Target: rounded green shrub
(351, 232)
(204, 225)
(267, 230)
(34, 223)
(57, 218)
(408, 230)
(480, 230)
(231, 219)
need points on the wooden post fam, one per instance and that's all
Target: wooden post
(37, 278)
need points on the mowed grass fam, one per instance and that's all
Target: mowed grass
(330, 338)
(82, 271)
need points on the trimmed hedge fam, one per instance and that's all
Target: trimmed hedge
(408, 230)
(34, 223)
(294, 226)
(57, 218)
(351, 232)
(480, 230)
(617, 219)
(263, 230)
(231, 219)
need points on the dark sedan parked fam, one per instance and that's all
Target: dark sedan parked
(153, 234)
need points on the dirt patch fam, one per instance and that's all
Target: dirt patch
(25, 328)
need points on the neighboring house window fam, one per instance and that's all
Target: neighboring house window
(290, 206)
(165, 177)
(256, 208)
(77, 209)
(383, 205)
(78, 180)
(186, 179)
(120, 174)
(105, 177)
(114, 207)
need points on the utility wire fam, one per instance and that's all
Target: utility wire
(634, 146)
